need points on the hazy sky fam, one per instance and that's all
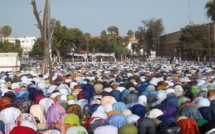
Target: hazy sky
(93, 16)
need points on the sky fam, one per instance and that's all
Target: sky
(94, 16)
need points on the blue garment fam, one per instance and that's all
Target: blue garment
(118, 79)
(117, 95)
(119, 106)
(146, 93)
(167, 122)
(2, 126)
(105, 93)
(21, 96)
(206, 113)
(138, 109)
(88, 91)
(171, 101)
(117, 120)
(94, 107)
(190, 112)
(124, 93)
(142, 87)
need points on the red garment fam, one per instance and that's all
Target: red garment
(38, 98)
(22, 130)
(188, 126)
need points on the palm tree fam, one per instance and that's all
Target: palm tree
(210, 7)
(130, 33)
(113, 30)
(5, 31)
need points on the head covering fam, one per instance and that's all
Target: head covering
(108, 100)
(154, 113)
(74, 108)
(128, 129)
(46, 103)
(194, 90)
(107, 129)
(76, 130)
(202, 102)
(71, 120)
(131, 98)
(98, 88)
(52, 131)
(188, 126)
(9, 115)
(183, 100)
(29, 124)
(119, 106)
(99, 114)
(38, 98)
(170, 101)
(38, 111)
(93, 123)
(132, 119)
(27, 120)
(117, 120)
(116, 94)
(190, 112)
(126, 112)
(55, 114)
(179, 91)
(161, 95)
(138, 110)
(22, 130)
(142, 99)
(21, 95)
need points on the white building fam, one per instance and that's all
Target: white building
(25, 42)
(132, 40)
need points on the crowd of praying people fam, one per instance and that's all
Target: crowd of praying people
(153, 97)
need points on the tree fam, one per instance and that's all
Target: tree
(193, 41)
(113, 30)
(37, 49)
(210, 9)
(140, 35)
(5, 31)
(57, 39)
(148, 35)
(43, 26)
(130, 33)
(11, 47)
(112, 42)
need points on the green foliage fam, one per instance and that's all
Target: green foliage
(11, 47)
(130, 33)
(194, 40)
(111, 42)
(5, 31)
(210, 9)
(37, 48)
(64, 40)
(148, 35)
